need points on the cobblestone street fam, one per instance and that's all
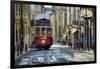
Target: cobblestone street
(56, 54)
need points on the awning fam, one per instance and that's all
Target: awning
(73, 30)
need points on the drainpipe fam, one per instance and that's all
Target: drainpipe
(21, 33)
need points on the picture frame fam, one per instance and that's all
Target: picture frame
(77, 21)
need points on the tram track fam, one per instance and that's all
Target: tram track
(46, 56)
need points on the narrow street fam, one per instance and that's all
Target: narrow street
(53, 34)
(56, 54)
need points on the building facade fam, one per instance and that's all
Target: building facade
(22, 28)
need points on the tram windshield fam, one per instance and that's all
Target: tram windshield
(43, 31)
(49, 31)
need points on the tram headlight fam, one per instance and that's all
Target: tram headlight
(43, 41)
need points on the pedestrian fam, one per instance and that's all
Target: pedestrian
(21, 47)
(76, 43)
(18, 50)
(70, 44)
(81, 41)
(25, 47)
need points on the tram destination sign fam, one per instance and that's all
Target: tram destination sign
(43, 22)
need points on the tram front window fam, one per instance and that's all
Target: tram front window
(44, 31)
(48, 31)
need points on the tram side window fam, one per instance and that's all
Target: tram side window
(49, 31)
(37, 31)
(43, 31)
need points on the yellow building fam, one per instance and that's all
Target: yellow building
(22, 27)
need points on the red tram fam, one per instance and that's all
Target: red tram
(43, 36)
